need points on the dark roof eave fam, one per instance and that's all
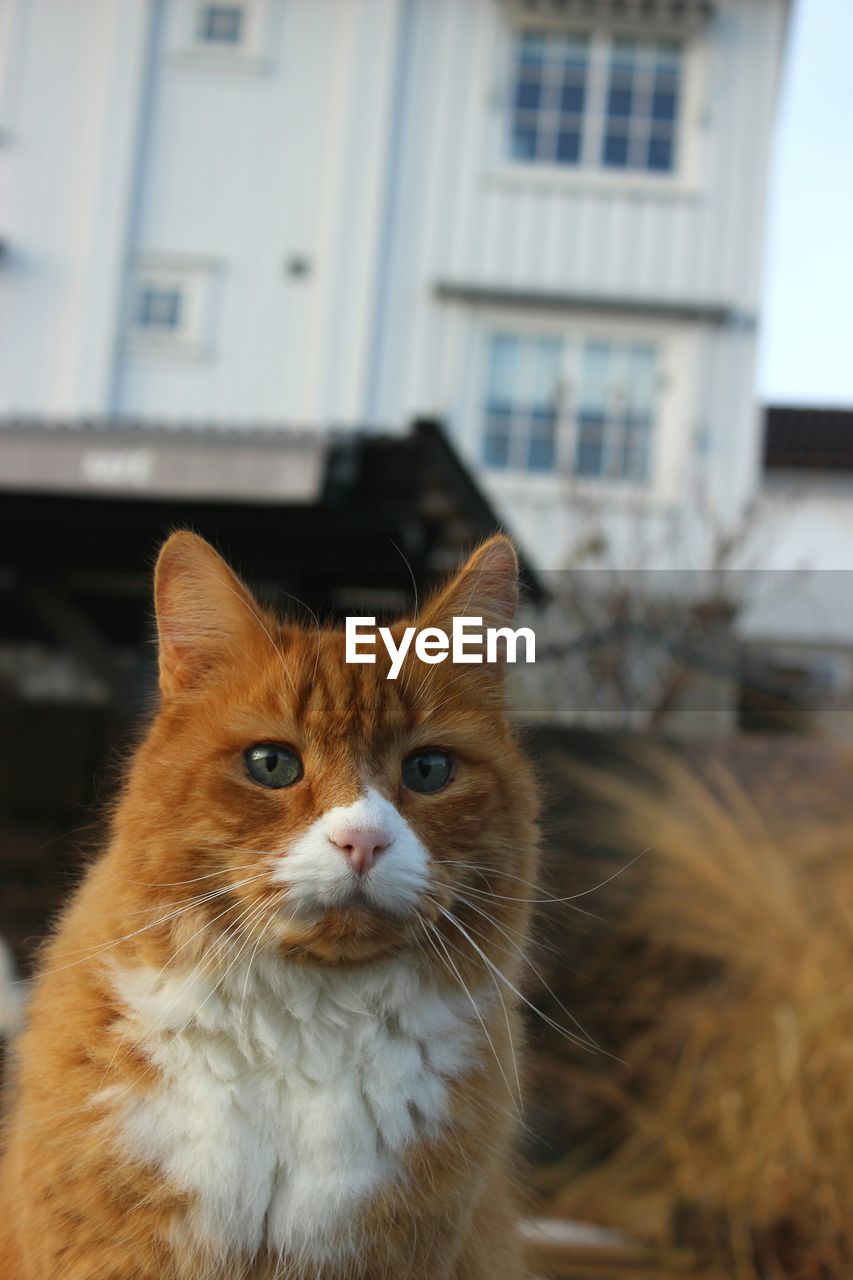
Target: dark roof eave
(808, 438)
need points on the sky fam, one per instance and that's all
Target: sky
(806, 349)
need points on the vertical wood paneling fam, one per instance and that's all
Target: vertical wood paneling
(695, 244)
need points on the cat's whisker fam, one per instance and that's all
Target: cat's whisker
(536, 971)
(231, 907)
(533, 902)
(436, 937)
(253, 917)
(510, 1040)
(198, 899)
(272, 917)
(90, 953)
(225, 940)
(229, 1054)
(173, 914)
(457, 894)
(555, 1026)
(175, 884)
(483, 870)
(197, 969)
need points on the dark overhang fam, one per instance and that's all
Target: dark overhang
(802, 438)
(657, 308)
(336, 522)
(668, 14)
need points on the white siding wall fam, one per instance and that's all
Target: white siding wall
(464, 217)
(469, 218)
(364, 137)
(248, 167)
(72, 79)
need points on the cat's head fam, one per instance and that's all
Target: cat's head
(326, 810)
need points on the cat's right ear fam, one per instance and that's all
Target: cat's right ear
(204, 613)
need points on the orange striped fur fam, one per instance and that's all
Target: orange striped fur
(173, 1111)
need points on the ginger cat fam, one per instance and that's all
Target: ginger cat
(273, 1033)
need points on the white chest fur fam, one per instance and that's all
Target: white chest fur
(286, 1097)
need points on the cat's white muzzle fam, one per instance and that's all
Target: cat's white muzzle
(321, 873)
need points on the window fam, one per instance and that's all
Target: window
(550, 98)
(586, 407)
(221, 24)
(615, 411)
(521, 403)
(642, 106)
(595, 101)
(158, 307)
(172, 304)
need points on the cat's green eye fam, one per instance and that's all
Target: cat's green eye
(273, 765)
(427, 770)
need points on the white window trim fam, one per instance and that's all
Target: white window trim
(687, 180)
(250, 55)
(196, 278)
(672, 431)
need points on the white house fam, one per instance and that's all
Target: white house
(539, 220)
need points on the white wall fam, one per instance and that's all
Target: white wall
(465, 217)
(248, 164)
(70, 92)
(363, 137)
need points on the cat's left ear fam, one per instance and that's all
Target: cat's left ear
(485, 587)
(206, 617)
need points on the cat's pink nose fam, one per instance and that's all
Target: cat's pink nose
(360, 848)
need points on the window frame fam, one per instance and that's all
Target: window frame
(194, 279)
(205, 11)
(148, 297)
(188, 47)
(675, 421)
(568, 425)
(691, 137)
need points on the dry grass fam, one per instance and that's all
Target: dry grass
(729, 992)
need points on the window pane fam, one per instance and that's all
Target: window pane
(668, 56)
(541, 455)
(589, 460)
(642, 106)
(221, 24)
(624, 54)
(549, 98)
(594, 376)
(634, 463)
(616, 151)
(537, 373)
(660, 154)
(642, 380)
(616, 410)
(496, 451)
(158, 308)
(496, 438)
(521, 402)
(663, 106)
(528, 95)
(572, 99)
(619, 102)
(568, 148)
(523, 144)
(502, 359)
(541, 447)
(531, 48)
(575, 53)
